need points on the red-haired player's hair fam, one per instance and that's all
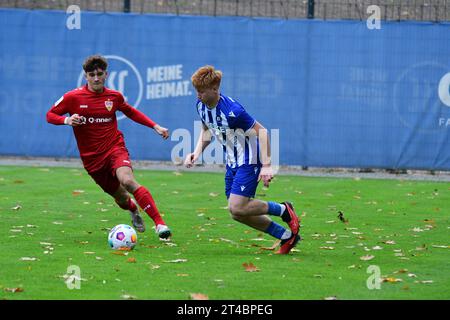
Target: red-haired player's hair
(206, 77)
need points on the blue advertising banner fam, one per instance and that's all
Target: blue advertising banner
(332, 93)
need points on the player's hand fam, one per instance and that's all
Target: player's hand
(190, 159)
(266, 174)
(163, 132)
(75, 120)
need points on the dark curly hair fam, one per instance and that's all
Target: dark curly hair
(95, 62)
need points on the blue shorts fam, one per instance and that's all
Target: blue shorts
(242, 180)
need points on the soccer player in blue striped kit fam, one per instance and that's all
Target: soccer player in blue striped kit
(246, 145)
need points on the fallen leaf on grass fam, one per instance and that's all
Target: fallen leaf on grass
(170, 244)
(120, 253)
(391, 280)
(17, 207)
(250, 267)
(229, 241)
(176, 261)
(327, 248)
(198, 296)
(13, 290)
(401, 271)
(131, 260)
(182, 275)
(424, 281)
(367, 258)
(28, 259)
(77, 192)
(330, 298)
(128, 297)
(444, 247)
(275, 245)
(213, 194)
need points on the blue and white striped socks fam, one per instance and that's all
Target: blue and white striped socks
(275, 208)
(277, 231)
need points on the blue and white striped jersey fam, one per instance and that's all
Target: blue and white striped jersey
(228, 122)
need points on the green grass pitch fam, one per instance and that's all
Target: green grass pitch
(396, 231)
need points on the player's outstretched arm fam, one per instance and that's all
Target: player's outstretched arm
(141, 118)
(57, 113)
(203, 141)
(266, 174)
(163, 132)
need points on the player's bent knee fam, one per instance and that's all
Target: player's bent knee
(237, 211)
(129, 184)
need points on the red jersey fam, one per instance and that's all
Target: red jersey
(99, 134)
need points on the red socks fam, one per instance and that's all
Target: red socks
(146, 202)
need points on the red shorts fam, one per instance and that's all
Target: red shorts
(106, 176)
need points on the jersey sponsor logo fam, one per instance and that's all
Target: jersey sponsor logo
(95, 120)
(217, 129)
(83, 106)
(109, 104)
(126, 161)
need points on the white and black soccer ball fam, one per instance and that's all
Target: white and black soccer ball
(122, 237)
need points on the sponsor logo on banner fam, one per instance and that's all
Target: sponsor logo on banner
(162, 82)
(422, 97)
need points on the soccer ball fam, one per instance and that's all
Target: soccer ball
(122, 237)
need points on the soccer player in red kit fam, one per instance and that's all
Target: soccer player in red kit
(92, 114)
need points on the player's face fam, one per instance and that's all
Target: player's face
(96, 79)
(208, 96)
